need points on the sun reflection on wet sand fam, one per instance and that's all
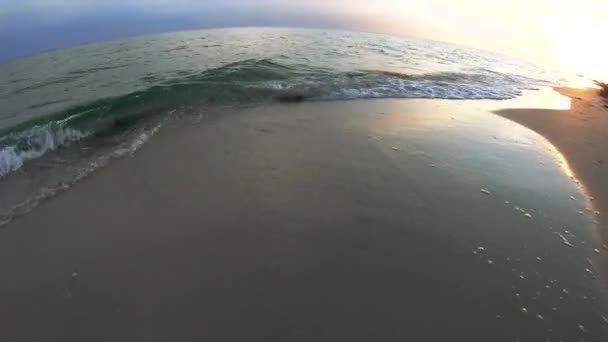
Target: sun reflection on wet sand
(588, 205)
(565, 167)
(543, 98)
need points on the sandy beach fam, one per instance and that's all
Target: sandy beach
(581, 135)
(339, 221)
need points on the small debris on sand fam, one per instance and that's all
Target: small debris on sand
(539, 259)
(395, 148)
(490, 262)
(485, 191)
(74, 274)
(564, 291)
(573, 198)
(526, 214)
(524, 310)
(596, 251)
(539, 316)
(582, 328)
(565, 241)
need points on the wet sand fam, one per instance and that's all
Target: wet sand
(343, 221)
(581, 135)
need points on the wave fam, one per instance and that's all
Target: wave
(34, 143)
(245, 82)
(128, 147)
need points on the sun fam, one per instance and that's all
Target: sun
(578, 41)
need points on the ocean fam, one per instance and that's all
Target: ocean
(65, 113)
(53, 99)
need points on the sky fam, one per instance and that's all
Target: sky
(564, 33)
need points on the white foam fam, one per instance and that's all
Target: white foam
(466, 87)
(127, 148)
(38, 140)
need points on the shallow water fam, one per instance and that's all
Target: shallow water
(383, 219)
(511, 196)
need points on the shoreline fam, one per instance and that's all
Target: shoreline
(312, 221)
(581, 135)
